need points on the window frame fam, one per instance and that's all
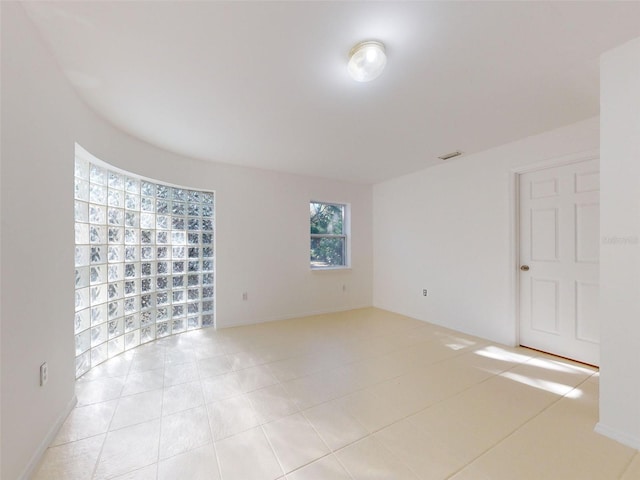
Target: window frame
(345, 236)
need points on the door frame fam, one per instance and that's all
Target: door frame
(514, 220)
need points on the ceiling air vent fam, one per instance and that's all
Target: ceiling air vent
(447, 156)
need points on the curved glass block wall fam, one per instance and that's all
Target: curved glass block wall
(144, 261)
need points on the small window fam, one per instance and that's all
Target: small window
(328, 235)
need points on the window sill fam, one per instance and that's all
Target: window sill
(329, 269)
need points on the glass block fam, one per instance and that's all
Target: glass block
(97, 234)
(81, 233)
(193, 238)
(132, 219)
(207, 252)
(178, 252)
(131, 288)
(179, 195)
(193, 252)
(146, 301)
(97, 254)
(130, 270)
(207, 224)
(98, 334)
(97, 174)
(147, 188)
(147, 318)
(98, 294)
(207, 198)
(146, 253)
(193, 224)
(81, 190)
(162, 314)
(115, 290)
(131, 322)
(131, 252)
(177, 311)
(81, 168)
(162, 253)
(193, 323)
(207, 279)
(207, 238)
(82, 298)
(132, 185)
(147, 204)
(178, 281)
(132, 202)
(162, 222)
(83, 364)
(115, 198)
(115, 180)
(193, 294)
(193, 280)
(178, 296)
(178, 325)
(99, 314)
(162, 283)
(162, 191)
(115, 328)
(115, 346)
(193, 308)
(162, 238)
(115, 309)
(162, 298)
(163, 207)
(207, 265)
(116, 235)
(82, 320)
(207, 292)
(146, 236)
(147, 334)
(207, 306)
(81, 211)
(193, 196)
(147, 220)
(98, 355)
(82, 277)
(97, 194)
(131, 305)
(178, 238)
(97, 214)
(131, 339)
(163, 268)
(207, 211)
(178, 267)
(207, 321)
(146, 269)
(163, 329)
(146, 285)
(82, 256)
(115, 216)
(115, 253)
(115, 272)
(193, 210)
(177, 223)
(179, 209)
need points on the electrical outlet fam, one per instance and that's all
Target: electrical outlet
(245, 296)
(44, 374)
(344, 288)
(424, 292)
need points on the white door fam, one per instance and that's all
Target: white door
(559, 255)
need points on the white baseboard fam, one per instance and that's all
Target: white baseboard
(36, 458)
(253, 321)
(621, 437)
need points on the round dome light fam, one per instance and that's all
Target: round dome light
(367, 60)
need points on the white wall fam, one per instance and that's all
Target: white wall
(449, 229)
(262, 236)
(620, 250)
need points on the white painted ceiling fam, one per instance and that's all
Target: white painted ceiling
(265, 84)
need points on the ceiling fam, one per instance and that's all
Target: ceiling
(265, 84)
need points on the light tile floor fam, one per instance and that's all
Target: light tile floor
(365, 394)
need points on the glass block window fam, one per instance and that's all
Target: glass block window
(144, 261)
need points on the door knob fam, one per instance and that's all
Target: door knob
(524, 268)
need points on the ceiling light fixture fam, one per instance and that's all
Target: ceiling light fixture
(367, 60)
